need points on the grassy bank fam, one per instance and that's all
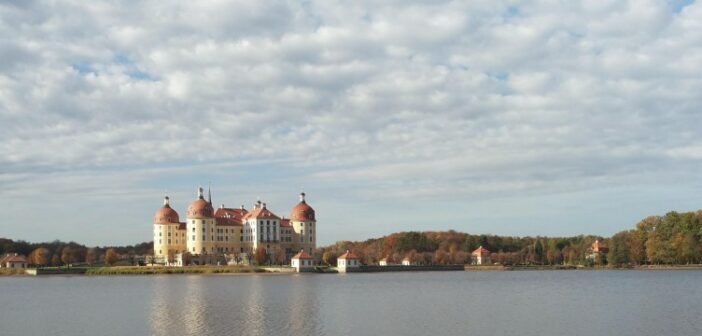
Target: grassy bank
(8, 271)
(145, 270)
(669, 267)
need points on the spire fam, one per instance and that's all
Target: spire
(302, 197)
(200, 192)
(166, 201)
(209, 192)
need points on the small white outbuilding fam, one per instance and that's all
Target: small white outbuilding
(347, 261)
(302, 262)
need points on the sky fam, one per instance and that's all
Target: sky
(515, 118)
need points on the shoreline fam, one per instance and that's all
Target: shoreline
(276, 270)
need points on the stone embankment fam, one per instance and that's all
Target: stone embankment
(405, 268)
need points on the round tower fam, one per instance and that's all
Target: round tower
(168, 239)
(200, 226)
(304, 224)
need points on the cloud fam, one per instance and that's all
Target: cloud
(396, 101)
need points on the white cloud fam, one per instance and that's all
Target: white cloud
(387, 101)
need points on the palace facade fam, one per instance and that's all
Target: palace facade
(208, 233)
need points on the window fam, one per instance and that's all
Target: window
(204, 237)
(193, 237)
(193, 229)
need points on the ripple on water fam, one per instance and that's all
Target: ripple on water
(504, 303)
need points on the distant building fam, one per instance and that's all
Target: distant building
(13, 261)
(302, 262)
(208, 234)
(481, 256)
(407, 261)
(598, 247)
(383, 262)
(347, 261)
(596, 250)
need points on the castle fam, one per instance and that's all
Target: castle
(208, 235)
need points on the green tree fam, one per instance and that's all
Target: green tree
(619, 249)
(538, 251)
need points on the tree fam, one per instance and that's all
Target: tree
(39, 256)
(619, 249)
(329, 258)
(440, 257)
(67, 255)
(90, 255)
(55, 260)
(260, 255)
(111, 256)
(278, 255)
(538, 251)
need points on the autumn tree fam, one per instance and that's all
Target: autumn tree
(67, 255)
(55, 260)
(111, 256)
(90, 255)
(278, 255)
(440, 257)
(39, 256)
(260, 255)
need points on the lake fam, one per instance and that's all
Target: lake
(423, 303)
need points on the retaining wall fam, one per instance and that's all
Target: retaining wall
(403, 268)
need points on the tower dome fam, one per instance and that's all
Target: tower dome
(166, 214)
(200, 208)
(302, 212)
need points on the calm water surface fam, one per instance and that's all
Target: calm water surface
(438, 303)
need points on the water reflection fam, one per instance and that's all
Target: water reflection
(234, 305)
(253, 310)
(195, 306)
(628, 303)
(303, 308)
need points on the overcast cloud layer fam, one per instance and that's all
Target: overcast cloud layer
(505, 117)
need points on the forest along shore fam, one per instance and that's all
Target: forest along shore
(242, 270)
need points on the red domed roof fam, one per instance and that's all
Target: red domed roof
(200, 209)
(166, 214)
(302, 212)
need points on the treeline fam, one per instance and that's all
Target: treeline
(451, 247)
(675, 238)
(58, 253)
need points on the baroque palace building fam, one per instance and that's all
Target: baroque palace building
(209, 233)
